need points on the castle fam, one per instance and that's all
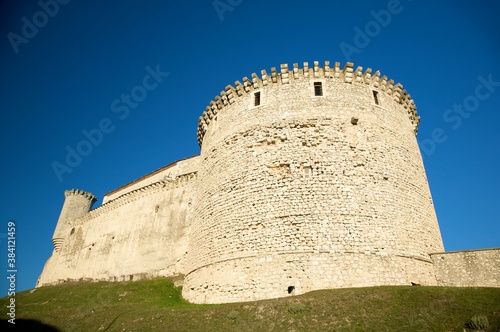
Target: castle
(308, 178)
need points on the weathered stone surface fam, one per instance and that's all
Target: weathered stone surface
(142, 233)
(293, 192)
(470, 268)
(308, 179)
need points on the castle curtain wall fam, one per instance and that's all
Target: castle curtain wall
(308, 178)
(141, 234)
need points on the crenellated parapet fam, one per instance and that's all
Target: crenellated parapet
(348, 74)
(137, 194)
(78, 192)
(77, 204)
(140, 234)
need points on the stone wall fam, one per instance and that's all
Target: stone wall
(331, 183)
(169, 172)
(470, 268)
(77, 204)
(308, 179)
(141, 234)
(283, 274)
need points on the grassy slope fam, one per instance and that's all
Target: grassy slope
(156, 305)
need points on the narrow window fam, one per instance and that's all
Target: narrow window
(256, 99)
(375, 97)
(318, 89)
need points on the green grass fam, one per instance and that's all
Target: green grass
(156, 305)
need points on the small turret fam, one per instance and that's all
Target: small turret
(77, 204)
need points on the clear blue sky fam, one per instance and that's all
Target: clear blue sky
(69, 74)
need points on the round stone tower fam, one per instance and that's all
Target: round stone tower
(310, 178)
(76, 204)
